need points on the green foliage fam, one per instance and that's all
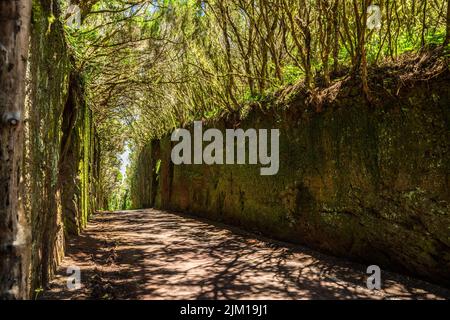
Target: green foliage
(291, 74)
(154, 65)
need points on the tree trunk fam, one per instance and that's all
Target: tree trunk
(336, 36)
(424, 23)
(14, 228)
(447, 36)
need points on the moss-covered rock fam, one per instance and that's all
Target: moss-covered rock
(355, 180)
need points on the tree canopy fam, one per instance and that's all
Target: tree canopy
(150, 66)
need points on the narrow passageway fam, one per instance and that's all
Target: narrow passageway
(152, 254)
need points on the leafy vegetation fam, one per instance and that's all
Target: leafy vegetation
(130, 71)
(154, 65)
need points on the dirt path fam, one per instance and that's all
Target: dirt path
(151, 254)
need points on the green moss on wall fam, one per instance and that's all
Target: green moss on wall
(370, 183)
(58, 138)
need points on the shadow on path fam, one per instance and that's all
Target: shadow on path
(152, 254)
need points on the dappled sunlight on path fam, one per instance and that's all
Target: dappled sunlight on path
(152, 254)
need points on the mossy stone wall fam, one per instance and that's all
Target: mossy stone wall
(355, 180)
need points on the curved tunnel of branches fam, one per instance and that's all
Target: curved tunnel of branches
(107, 78)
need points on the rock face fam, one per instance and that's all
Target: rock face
(356, 180)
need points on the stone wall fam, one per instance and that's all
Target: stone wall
(364, 181)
